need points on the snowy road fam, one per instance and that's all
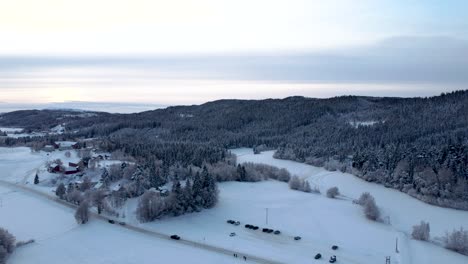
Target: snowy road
(215, 249)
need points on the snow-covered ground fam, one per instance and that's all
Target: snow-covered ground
(346, 223)
(60, 240)
(320, 221)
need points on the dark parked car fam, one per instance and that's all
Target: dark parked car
(255, 228)
(277, 232)
(297, 238)
(334, 247)
(175, 237)
(230, 221)
(264, 230)
(111, 221)
(332, 259)
(318, 256)
(248, 226)
(269, 231)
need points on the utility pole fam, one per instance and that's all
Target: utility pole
(266, 216)
(396, 246)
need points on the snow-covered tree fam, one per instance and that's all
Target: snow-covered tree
(333, 192)
(60, 191)
(371, 211)
(421, 231)
(82, 213)
(457, 241)
(7, 244)
(150, 206)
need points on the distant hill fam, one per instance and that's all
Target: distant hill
(416, 145)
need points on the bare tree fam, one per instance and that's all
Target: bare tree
(150, 206)
(371, 210)
(421, 231)
(457, 241)
(60, 191)
(333, 192)
(295, 183)
(7, 245)
(364, 198)
(82, 213)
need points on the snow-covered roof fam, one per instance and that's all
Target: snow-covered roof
(65, 143)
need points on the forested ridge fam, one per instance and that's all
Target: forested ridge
(416, 145)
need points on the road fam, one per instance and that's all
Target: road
(215, 249)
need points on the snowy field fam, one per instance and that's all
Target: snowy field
(320, 221)
(60, 240)
(345, 222)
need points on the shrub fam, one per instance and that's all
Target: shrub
(7, 244)
(82, 213)
(421, 231)
(371, 210)
(364, 198)
(299, 184)
(457, 241)
(333, 192)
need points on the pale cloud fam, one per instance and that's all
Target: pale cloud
(210, 26)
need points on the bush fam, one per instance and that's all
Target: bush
(82, 213)
(364, 198)
(299, 184)
(151, 206)
(60, 191)
(457, 241)
(371, 210)
(7, 244)
(421, 231)
(333, 192)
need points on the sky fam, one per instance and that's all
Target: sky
(152, 53)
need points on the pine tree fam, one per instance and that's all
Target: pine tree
(197, 189)
(178, 207)
(188, 197)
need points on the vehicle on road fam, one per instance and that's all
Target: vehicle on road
(297, 238)
(111, 221)
(175, 237)
(232, 234)
(334, 247)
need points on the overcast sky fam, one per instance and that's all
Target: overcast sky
(184, 52)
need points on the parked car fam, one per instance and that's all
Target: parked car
(237, 223)
(318, 256)
(230, 221)
(175, 237)
(122, 223)
(255, 228)
(248, 226)
(277, 232)
(297, 238)
(332, 259)
(232, 234)
(334, 247)
(111, 221)
(269, 231)
(264, 230)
